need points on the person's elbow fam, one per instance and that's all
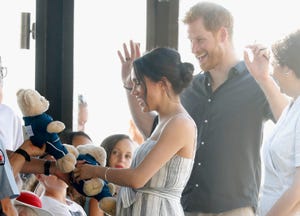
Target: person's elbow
(137, 182)
(136, 185)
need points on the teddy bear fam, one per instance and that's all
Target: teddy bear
(94, 187)
(42, 129)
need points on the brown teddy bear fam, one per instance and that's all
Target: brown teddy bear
(41, 129)
(95, 187)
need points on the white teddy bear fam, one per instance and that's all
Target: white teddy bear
(95, 187)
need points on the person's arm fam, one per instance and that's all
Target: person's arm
(289, 202)
(94, 208)
(178, 137)
(259, 69)
(143, 120)
(35, 165)
(18, 160)
(8, 207)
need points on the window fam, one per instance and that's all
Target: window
(20, 63)
(100, 28)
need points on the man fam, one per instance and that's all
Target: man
(229, 109)
(11, 137)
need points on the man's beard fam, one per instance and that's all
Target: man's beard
(213, 59)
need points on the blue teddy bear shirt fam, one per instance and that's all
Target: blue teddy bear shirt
(105, 192)
(36, 129)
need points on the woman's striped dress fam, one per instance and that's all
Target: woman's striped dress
(161, 194)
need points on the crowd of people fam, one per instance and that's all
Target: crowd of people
(202, 134)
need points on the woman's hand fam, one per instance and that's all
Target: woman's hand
(84, 171)
(126, 60)
(259, 65)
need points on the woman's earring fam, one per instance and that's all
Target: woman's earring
(286, 73)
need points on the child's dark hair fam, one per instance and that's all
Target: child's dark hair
(67, 136)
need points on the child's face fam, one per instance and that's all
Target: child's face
(121, 155)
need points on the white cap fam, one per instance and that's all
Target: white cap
(31, 200)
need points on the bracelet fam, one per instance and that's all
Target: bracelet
(23, 153)
(105, 174)
(127, 87)
(47, 165)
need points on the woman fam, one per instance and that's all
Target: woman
(163, 163)
(281, 154)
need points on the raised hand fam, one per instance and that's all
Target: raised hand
(258, 66)
(126, 59)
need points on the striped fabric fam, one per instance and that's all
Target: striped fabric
(161, 194)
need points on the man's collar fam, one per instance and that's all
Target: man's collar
(238, 69)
